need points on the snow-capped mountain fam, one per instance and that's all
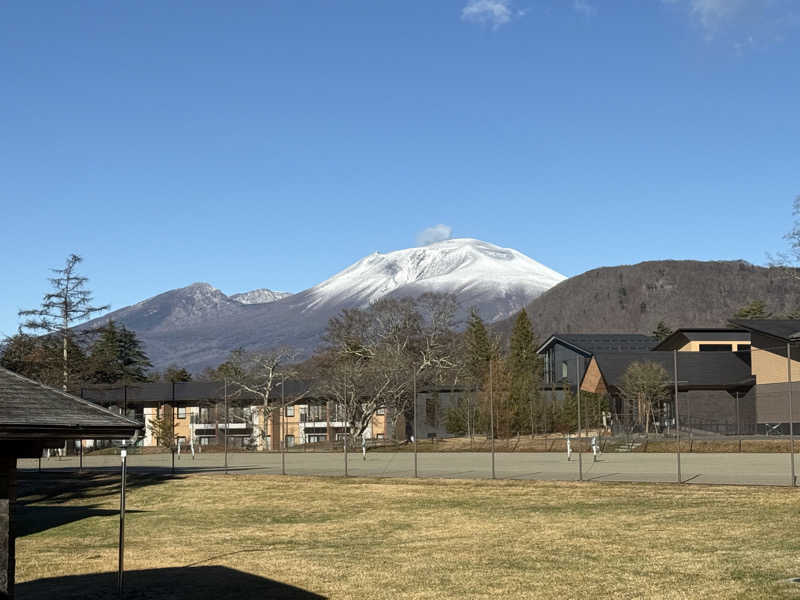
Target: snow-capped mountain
(259, 296)
(478, 273)
(198, 325)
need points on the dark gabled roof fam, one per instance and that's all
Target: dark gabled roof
(714, 334)
(186, 393)
(30, 410)
(787, 330)
(592, 343)
(696, 370)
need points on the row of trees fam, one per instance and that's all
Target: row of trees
(110, 354)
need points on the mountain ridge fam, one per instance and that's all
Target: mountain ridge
(634, 298)
(198, 325)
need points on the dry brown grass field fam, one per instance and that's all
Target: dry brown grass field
(214, 536)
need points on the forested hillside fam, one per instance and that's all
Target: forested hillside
(682, 293)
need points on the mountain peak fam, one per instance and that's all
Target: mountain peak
(259, 296)
(449, 266)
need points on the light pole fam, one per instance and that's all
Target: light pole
(121, 565)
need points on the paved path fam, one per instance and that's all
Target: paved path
(727, 468)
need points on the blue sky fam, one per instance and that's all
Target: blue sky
(271, 144)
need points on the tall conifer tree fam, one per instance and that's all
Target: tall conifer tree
(525, 370)
(479, 349)
(117, 357)
(68, 304)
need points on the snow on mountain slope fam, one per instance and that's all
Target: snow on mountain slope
(450, 266)
(259, 296)
(197, 326)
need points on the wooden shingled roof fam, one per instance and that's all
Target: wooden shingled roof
(30, 410)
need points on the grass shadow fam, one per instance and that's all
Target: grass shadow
(189, 583)
(57, 488)
(30, 519)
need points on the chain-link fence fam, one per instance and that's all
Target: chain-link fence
(720, 417)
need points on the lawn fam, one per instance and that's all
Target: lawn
(392, 538)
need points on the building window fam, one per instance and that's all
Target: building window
(181, 412)
(378, 436)
(716, 347)
(380, 412)
(289, 441)
(290, 411)
(431, 416)
(564, 370)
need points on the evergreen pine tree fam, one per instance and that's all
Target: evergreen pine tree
(662, 332)
(479, 349)
(117, 357)
(525, 370)
(40, 358)
(757, 309)
(68, 304)
(175, 374)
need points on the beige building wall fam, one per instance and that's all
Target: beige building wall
(593, 381)
(694, 345)
(770, 367)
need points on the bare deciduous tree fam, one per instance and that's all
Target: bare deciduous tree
(263, 374)
(644, 386)
(371, 354)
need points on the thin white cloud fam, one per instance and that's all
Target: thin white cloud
(431, 235)
(711, 14)
(584, 8)
(488, 12)
(745, 23)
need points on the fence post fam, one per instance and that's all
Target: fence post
(580, 429)
(677, 413)
(414, 417)
(172, 428)
(789, 397)
(738, 422)
(285, 427)
(225, 394)
(491, 412)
